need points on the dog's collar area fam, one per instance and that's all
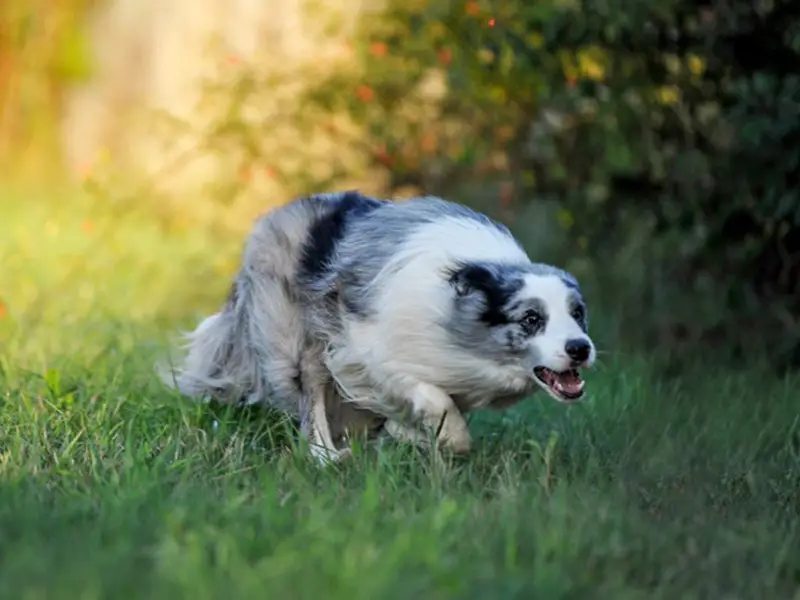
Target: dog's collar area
(566, 386)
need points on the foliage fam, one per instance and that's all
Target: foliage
(666, 134)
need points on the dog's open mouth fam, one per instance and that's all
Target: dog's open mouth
(566, 386)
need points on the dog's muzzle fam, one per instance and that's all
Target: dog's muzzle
(566, 386)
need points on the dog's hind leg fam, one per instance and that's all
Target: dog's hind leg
(315, 426)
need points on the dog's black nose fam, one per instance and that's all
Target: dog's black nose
(578, 349)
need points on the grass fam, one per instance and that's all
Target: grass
(112, 487)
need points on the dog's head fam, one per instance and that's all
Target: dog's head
(530, 316)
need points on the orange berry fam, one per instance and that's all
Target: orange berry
(429, 143)
(383, 156)
(506, 194)
(365, 93)
(378, 49)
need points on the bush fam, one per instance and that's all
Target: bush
(658, 135)
(668, 128)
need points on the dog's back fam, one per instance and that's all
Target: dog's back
(257, 348)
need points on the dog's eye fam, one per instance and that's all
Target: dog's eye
(578, 313)
(531, 320)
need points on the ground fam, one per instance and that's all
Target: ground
(111, 486)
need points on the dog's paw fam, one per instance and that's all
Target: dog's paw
(454, 436)
(458, 444)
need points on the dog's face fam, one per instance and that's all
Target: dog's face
(525, 316)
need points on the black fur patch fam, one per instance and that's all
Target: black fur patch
(328, 231)
(578, 312)
(570, 281)
(497, 291)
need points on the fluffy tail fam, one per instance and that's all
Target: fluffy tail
(253, 349)
(219, 363)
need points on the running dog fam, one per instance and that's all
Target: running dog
(354, 314)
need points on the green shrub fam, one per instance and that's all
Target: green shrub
(666, 133)
(660, 137)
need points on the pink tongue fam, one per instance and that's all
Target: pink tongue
(569, 381)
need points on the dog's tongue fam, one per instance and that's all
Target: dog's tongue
(569, 381)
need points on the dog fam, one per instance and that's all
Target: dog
(356, 314)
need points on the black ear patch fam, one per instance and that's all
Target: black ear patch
(472, 278)
(577, 311)
(495, 288)
(570, 281)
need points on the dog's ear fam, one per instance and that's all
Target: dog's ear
(471, 278)
(570, 281)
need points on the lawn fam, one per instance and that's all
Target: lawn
(113, 487)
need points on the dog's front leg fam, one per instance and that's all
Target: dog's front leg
(315, 426)
(438, 413)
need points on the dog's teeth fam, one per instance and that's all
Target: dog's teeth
(558, 386)
(581, 384)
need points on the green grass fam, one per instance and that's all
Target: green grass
(112, 487)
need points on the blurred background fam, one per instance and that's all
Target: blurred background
(651, 148)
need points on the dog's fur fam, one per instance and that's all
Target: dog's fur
(350, 313)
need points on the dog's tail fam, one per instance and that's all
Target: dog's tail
(251, 351)
(221, 361)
